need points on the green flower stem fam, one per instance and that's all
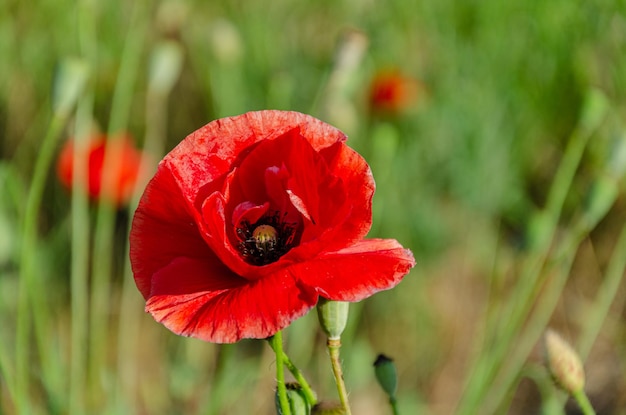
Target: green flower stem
(333, 349)
(394, 405)
(27, 284)
(605, 297)
(80, 264)
(297, 374)
(558, 269)
(104, 232)
(543, 228)
(583, 402)
(277, 345)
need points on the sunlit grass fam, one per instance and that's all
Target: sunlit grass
(504, 177)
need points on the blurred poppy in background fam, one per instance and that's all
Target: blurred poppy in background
(249, 220)
(391, 92)
(125, 168)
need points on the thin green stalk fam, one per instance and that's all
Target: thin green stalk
(6, 370)
(562, 262)
(32, 308)
(102, 265)
(79, 261)
(165, 70)
(583, 402)
(393, 402)
(604, 298)
(559, 271)
(127, 343)
(333, 350)
(27, 283)
(277, 345)
(543, 229)
(527, 338)
(615, 272)
(297, 374)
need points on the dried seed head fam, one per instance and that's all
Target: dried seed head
(563, 363)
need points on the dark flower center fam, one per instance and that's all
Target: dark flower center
(266, 240)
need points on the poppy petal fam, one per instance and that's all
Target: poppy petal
(214, 149)
(346, 210)
(357, 272)
(162, 230)
(227, 314)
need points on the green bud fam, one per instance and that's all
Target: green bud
(563, 363)
(328, 408)
(297, 400)
(386, 374)
(333, 317)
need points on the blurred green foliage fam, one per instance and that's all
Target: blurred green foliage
(460, 172)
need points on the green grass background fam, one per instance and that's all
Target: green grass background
(504, 177)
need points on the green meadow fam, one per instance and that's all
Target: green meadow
(503, 171)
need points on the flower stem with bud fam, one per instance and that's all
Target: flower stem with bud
(333, 317)
(297, 374)
(387, 377)
(566, 369)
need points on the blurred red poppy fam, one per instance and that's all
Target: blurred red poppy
(249, 220)
(392, 92)
(126, 163)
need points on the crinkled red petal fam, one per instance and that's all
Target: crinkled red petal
(213, 150)
(357, 272)
(347, 209)
(163, 229)
(226, 309)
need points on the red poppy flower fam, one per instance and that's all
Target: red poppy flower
(392, 92)
(249, 220)
(120, 183)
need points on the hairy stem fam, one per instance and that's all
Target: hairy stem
(276, 342)
(333, 350)
(297, 374)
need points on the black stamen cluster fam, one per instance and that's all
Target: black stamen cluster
(263, 254)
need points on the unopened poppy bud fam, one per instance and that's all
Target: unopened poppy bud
(563, 363)
(328, 408)
(297, 400)
(333, 317)
(386, 374)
